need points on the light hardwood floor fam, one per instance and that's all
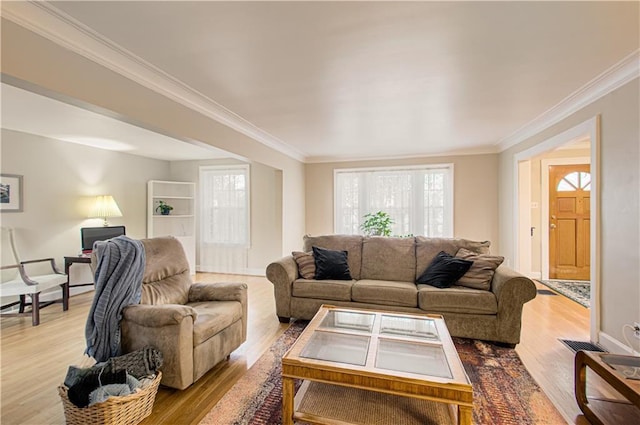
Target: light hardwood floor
(34, 360)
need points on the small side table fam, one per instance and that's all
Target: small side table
(68, 262)
(614, 411)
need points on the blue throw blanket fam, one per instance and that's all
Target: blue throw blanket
(118, 282)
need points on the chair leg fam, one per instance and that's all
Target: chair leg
(23, 303)
(35, 309)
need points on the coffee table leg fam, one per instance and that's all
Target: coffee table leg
(465, 415)
(287, 400)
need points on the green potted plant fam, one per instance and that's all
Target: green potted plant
(163, 208)
(377, 224)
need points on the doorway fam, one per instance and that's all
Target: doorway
(528, 212)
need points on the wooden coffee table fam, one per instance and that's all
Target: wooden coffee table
(352, 358)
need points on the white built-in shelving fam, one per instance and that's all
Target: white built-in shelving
(181, 222)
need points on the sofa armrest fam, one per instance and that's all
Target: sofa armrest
(155, 316)
(282, 273)
(223, 291)
(512, 291)
(168, 328)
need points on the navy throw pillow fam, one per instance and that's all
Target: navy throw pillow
(331, 264)
(444, 270)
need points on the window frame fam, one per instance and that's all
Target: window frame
(247, 172)
(449, 192)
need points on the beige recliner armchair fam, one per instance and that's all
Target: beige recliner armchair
(195, 325)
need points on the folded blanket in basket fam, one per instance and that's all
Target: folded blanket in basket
(79, 392)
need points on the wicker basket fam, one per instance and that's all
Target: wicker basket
(124, 410)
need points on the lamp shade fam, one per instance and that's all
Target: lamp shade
(105, 206)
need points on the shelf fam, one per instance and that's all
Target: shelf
(181, 222)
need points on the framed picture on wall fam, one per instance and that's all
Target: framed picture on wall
(10, 193)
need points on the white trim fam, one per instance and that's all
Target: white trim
(614, 346)
(329, 159)
(522, 262)
(255, 272)
(611, 79)
(48, 21)
(590, 127)
(534, 275)
(544, 204)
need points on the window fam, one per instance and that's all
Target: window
(419, 200)
(574, 181)
(224, 211)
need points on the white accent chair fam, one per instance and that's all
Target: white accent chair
(16, 281)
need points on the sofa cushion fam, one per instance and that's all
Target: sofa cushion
(428, 248)
(331, 264)
(306, 264)
(339, 290)
(214, 317)
(444, 270)
(480, 274)
(456, 299)
(386, 258)
(385, 292)
(350, 243)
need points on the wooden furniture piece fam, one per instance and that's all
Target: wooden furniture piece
(617, 371)
(349, 354)
(23, 284)
(68, 262)
(180, 222)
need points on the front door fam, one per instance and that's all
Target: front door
(569, 224)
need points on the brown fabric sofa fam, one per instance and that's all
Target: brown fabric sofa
(194, 325)
(384, 271)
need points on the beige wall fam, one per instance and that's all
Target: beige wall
(59, 180)
(475, 194)
(619, 170)
(265, 204)
(37, 64)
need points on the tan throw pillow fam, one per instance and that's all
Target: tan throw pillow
(306, 264)
(481, 272)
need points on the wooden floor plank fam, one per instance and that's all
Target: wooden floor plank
(34, 360)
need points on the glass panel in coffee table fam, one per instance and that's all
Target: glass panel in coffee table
(346, 354)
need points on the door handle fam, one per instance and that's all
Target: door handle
(552, 226)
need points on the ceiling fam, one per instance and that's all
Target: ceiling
(353, 80)
(62, 121)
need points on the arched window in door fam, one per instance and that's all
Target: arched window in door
(575, 181)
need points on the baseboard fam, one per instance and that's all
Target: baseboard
(255, 272)
(614, 346)
(246, 271)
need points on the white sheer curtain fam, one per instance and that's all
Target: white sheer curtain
(419, 200)
(224, 218)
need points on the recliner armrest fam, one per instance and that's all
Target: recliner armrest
(224, 291)
(158, 315)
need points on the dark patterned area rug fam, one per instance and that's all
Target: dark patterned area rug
(504, 392)
(576, 290)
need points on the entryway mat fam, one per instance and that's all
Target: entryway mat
(546, 292)
(576, 346)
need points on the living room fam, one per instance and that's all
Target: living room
(597, 83)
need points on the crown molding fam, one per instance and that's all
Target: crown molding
(618, 75)
(467, 152)
(53, 24)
